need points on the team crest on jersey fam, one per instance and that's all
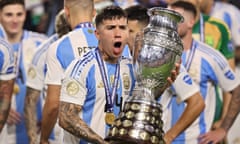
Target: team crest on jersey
(193, 72)
(32, 73)
(187, 79)
(72, 88)
(90, 31)
(126, 81)
(100, 85)
(112, 77)
(229, 75)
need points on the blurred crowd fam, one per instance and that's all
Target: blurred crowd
(41, 13)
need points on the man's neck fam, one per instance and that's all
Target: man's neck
(15, 38)
(107, 58)
(187, 42)
(77, 20)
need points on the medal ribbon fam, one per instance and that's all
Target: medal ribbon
(202, 27)
(191, 55)
(109, 96)
(18, 49)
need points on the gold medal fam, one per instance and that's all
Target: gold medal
(109, 118)
(16, 89)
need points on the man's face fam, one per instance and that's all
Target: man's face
(187, 23)
(112, 36)
(12, 18)
(134, 27)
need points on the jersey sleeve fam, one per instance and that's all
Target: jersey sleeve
(73, 88)
(184, 86)
(35, 76)
(37, 69)
(221, 72)
(54, 69)
(7, 68)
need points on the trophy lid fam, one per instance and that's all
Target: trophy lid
(178, 18)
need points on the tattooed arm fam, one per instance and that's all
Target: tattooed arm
(70, 121)
(6, 89)
(233, 111)
(31, 99)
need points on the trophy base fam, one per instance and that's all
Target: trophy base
(127, 140)
(139, 123)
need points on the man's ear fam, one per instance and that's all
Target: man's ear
(96, 34)
(191, 22)
(66, 10)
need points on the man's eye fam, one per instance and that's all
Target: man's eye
(19, 14)
(8, 14)
(110, 27)
(123, 27)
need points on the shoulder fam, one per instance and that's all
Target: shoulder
(209, 53)
(45, 45)
(40, 54)
(82, 64)
(36, 35)
(203, 47)
(6, 48)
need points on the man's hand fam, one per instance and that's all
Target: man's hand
(170, 80)
(213, 137)
(174, 73)
(14, 117)
(217, 124)
(167, 139)
(44, 142)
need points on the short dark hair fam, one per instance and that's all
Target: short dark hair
(109, 13)
(138, 13)
(186, 6)
(3, 3)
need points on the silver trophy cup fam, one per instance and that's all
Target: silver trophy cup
(156, 51)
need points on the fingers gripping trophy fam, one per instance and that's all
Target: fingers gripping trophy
(156, 51)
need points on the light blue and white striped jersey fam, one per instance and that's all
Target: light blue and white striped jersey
(126, 52)
(35, 79)
(208, 68)
(183, 88)
(67, 48)
(23, 52)
(230, 15)
(7, 68)
(2, 33)
(37, 68)
(83, 85)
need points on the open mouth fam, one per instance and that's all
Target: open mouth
(117, 44)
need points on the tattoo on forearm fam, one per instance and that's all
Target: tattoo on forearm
(31, 99)
(71, 122)
(6, 88)
(234, 109)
